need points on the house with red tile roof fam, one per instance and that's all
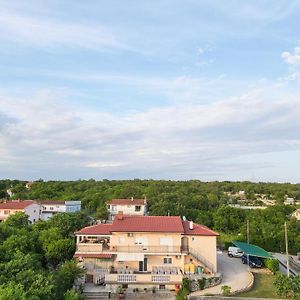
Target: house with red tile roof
(146, 251)
(135, 207)
(29, 207)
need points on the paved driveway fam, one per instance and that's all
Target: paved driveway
(235, 274)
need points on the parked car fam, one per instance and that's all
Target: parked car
(254, 262)
(235, 252)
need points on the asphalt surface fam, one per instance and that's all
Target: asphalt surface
(282, 266)
(235, 275)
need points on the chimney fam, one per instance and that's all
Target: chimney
(191, 225)
(120, 215)
(131, 198)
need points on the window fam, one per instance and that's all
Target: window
(51, 208)
(129, 206)
(113, 207)
(162, 287)
(138, 208)
(167, 260)
(6, 212)
(121, 240)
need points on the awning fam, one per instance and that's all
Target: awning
(252, 250)
(130, 256)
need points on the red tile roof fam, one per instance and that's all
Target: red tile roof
(99, 229)
(198, 229)
(147, 224)
(127, 202)
(93, 255)
(16, 204)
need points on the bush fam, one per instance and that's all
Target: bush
(182, 294)
(226, 290)
(272, 264)
(201, 283)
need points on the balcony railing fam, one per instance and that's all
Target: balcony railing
(146, 249)
(89, 247)
(142, 278)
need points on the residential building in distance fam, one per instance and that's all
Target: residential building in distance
(52, 207)
(296, 214)
(146, 251)
(29, 207)
(135, 207)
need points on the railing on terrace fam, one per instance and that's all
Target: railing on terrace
(146, 249)
(142, 278)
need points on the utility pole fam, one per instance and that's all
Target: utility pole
(248, 236)
(287, 250)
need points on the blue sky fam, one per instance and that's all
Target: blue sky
(162, 89)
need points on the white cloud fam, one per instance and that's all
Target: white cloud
(51, 139)
(292, 58)
(42, 32)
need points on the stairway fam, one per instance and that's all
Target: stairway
(202, 260)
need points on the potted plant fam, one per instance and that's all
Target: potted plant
(120, 292)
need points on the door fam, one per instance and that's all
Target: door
(184, 244)
(143, 265)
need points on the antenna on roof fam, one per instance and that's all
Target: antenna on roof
(184, 218)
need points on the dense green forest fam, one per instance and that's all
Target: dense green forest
(36, 260)
(203, 202)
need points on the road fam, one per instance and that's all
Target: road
(235, 274)
(282, 265)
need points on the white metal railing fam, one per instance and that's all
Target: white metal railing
(160, 278)
(126, 278)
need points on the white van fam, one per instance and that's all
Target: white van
(235, 252)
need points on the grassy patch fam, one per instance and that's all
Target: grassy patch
(263, 287)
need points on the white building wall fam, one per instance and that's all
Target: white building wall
(33, 212)
(51, 209)
(127, 210)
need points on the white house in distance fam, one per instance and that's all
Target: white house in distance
(29, 207)
(135, 207)
(52, 207)
(296, 214)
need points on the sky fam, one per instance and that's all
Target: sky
(161, 89)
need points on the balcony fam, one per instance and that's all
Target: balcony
(146, 249)
(89, 247)
(143, 278)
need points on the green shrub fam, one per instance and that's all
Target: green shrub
(186, 283)
(201, 283)
(272, 264)
(226, 289)
(182, 294)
